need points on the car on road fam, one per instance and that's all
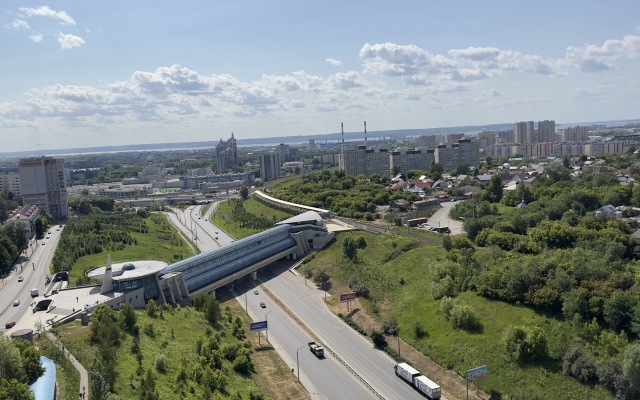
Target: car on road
(20, 278)
(10, 324)
(43, 243)
(49, 232)
(255, 292)
(263, 305)
(16, 302)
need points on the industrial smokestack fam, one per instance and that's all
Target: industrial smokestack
(365, 133)
(342, 129)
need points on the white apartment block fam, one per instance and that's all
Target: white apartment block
(357, 159)
(546, 131)
(523, 132)
(10, 182)
(43, 183)
(466, 151)
(408, 160)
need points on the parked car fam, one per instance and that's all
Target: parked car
(263, 305)
(10, 324)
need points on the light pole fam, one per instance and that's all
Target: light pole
(298, 362)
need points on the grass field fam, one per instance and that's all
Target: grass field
(162, 242)
(223, 217)
(176, 334)
(399, 278)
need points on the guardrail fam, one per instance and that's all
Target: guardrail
(354, 373)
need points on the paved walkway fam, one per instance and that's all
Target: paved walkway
(84, 377)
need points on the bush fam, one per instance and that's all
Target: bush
(149, 330)
(390, 327)
(161, 365)
(378, 339)
(463, 317)
(419, 331)
(577, 363)
(526, 344)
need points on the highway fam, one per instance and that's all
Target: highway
(306, 303)
(33, 266)
(330, 379)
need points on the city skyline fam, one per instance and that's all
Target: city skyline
(119, 73)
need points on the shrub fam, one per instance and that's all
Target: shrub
(161, 365)
(378, 339)
(526, 344)
(419, 331)
(149, 330)
(577, 363)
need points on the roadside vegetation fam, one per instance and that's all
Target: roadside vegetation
(19, 367)
(546, 294)
(242, 218)
(124, 233)
(200, 352)
(346, 196)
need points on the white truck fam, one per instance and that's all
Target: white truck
(316, 349)
(423, 384)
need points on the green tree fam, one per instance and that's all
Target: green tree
(128, 316)
(12, 389)
(631, 364)
(349, 248)
(322, 279)
(11, 366)
(244, 192)
(493, 192)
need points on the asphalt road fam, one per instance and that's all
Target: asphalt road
(441, 218)
(374, 366)
(324, 378)
(33, 266)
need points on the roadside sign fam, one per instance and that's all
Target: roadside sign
(347, 297)
(258, 326)
(476, 374)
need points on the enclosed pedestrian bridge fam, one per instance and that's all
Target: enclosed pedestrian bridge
(206, 272)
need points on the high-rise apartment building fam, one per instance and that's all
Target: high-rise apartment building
(523, 132)
(43, 183)
(357, 159)
(226, 154)
(408, 160)
(466, 151)
(10, 183)
(546, 131)
(575, 134)
(426, 142)
(270, 166)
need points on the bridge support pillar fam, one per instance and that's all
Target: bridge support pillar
(254, 275)
(294, 255)
(213, 293)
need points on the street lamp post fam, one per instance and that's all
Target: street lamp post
(298, 362)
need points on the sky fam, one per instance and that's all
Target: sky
(95, 73)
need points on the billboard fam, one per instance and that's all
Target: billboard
(347, 297)
(258, 326)
(477, 373)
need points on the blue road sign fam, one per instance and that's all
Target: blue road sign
(258, 326)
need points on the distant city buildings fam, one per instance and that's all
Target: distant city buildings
(288, 153)
(43, 183)
(575, 134)
(226, 154)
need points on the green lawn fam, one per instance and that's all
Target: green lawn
(162, 242)
(223, 217)
(401, 275)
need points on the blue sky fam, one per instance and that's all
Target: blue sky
(93, 73)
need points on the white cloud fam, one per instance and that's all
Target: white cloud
(594, 58)
(298, 104)
(36, 37)
(69, 41)
(334, 63)
(45, 11)
(19, 25)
